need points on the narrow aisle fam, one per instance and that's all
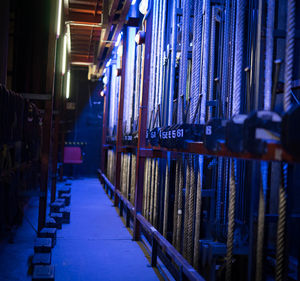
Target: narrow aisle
(96, 245)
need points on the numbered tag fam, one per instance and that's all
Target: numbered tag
(208, 130)
(180, 133)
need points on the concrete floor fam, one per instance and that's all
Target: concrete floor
(94, 246)
(14, 256)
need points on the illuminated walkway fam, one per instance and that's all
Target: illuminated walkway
(96, 245)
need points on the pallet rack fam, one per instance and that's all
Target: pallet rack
(274, 153)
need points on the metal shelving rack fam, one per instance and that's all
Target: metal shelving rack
(161, 247)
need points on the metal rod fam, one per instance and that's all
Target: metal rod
(275, 82)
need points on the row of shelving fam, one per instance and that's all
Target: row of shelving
(198, 190)
(20, 145)
(274, 152)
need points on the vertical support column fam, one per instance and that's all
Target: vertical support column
(58, 117)
(4, 29)
(140, 162)
(47, 123)
(55, 155)
(62, 138)
(104, 130)
(120, 119)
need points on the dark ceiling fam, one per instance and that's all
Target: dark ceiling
(94, 27)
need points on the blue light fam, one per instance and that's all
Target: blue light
(108, 63)
(119, 39)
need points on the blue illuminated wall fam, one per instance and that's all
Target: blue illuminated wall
(84, 124)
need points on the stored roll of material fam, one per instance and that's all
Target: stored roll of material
(175, 213)
(196, 60)
(281, 270)
(231, 222)
(166, 199)
(191, 205)
(122, 173)
(149, 188)
(206, 40)
(156, 191)
(238, 58)
(269, 55)
(261, 222)
(183, 69)
(129, 161)
(281, 258)
(152, 192)
(186, 209)
(196, 258)
(133, 175)
(180, 205)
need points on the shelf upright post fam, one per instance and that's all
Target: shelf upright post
(104, 128)
(140, 163)
(120, 119)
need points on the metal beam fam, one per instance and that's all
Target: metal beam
(82, 58)
(84, 18)
(104, 128)
(85, 3)
(105, 33)
(140, 163)
(120, 119)
(83, 10)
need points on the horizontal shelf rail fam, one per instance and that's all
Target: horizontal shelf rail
(157, 239)
(274, 152)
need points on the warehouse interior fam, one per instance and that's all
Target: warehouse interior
(150, 140)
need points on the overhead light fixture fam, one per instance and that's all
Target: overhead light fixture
(143, 7)
(68, 84)
(81, 63)
(69, 38)
(97, 25)
(140, 37)
(120, 50)
(133, 2)
(102, 93)
(119, 39)
(64, 58)
(105, 80)
(108, 63)
(58, 18)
